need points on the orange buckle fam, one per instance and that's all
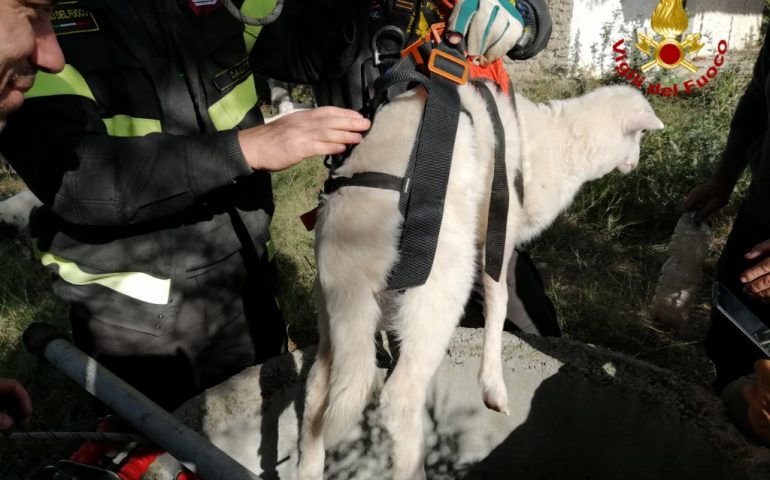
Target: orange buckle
(413, 51)
(436, 30)
(461, 80)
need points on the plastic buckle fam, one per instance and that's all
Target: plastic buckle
(413, 50)
(387, 30)
(460, 80)
(436, 31)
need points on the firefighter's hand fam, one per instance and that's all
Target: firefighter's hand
(15, 405)
(707, 198)
(758, 397)
(288, 140)
(756, 279)
(490, 28)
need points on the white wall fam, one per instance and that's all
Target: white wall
(736, 21)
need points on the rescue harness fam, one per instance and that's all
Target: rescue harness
(439, 68)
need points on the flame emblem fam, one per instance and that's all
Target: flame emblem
(669, 21)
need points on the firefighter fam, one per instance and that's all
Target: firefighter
(27, 44)
(149, 153)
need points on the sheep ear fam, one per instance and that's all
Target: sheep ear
(636, 121)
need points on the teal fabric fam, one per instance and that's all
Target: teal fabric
(468, 9)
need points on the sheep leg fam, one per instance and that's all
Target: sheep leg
(423, 339)
(311, 446)
(491, 379)
(353, 316)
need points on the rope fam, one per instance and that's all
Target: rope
(269, 18)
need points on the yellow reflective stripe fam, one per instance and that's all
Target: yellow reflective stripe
(254, 8)
(230, 109)
(140, 286)
(125, 126)
(67, 82)
(70, 82)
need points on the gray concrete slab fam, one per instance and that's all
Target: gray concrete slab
(577, 412)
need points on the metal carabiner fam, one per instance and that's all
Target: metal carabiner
(388, 31)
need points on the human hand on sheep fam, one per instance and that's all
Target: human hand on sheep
(757, 395)
(756, 279)
(280, 144)
(490, 28)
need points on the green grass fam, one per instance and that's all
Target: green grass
(59, 405)
(600, 260)
(296, 192)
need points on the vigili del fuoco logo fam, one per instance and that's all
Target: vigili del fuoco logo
(668, 49)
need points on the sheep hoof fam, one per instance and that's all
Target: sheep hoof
(496, 399)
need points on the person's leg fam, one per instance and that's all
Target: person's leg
(731, 352)
(529, 307)
(156, 365)
(245, 326)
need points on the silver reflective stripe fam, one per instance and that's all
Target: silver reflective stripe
(140, 286)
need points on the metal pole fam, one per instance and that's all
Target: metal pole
(159, 426)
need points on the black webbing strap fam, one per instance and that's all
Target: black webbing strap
(365, 179)
(400, 78)
(426, 183)
(518, 178)
(497, 218)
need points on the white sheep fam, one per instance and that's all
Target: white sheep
(556, 146)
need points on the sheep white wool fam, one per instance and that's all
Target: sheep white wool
(556, 146)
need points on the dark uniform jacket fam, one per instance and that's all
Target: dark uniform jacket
(133, 147)
(749, 140)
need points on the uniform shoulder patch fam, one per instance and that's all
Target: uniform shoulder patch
(232, 75)
(70, 17)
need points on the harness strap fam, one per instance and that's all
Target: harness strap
(518, 178)
(497, 217)
(364, 179)
(400, 78)
(426, 183)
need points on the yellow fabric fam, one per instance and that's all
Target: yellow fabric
(140, 286)
(125, 126)
(230, 109)
(255, 8)
(67, 82)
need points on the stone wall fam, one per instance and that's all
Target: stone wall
(556, 55)
(584, 31)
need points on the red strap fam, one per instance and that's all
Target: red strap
(91, 452)
(139, 460)
(187, 476)
(494, 71)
